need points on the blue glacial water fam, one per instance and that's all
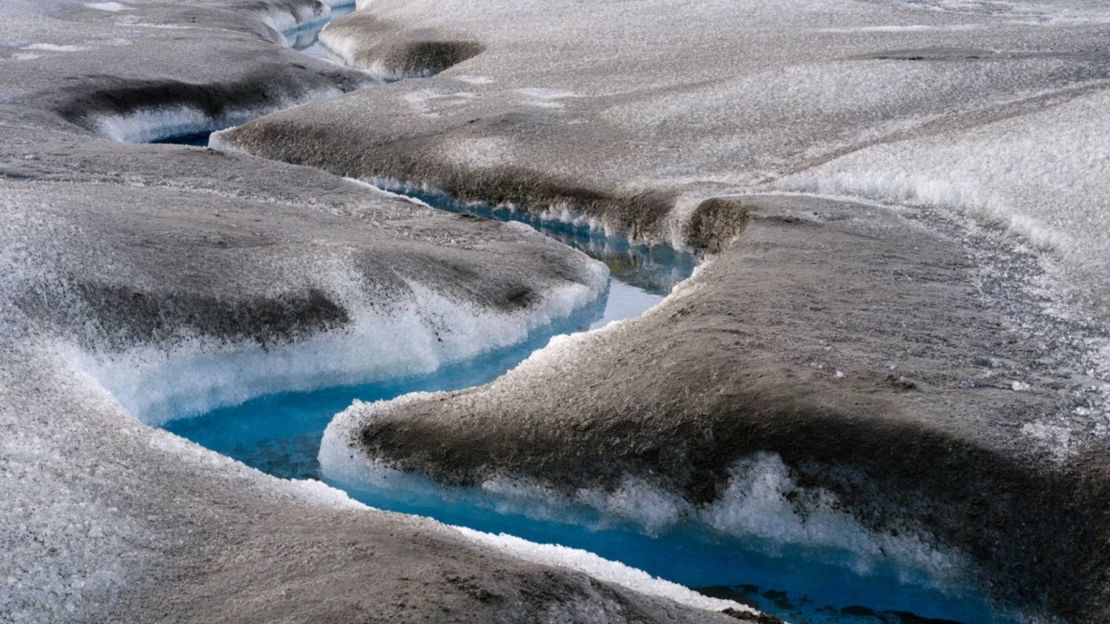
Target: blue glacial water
(280, 434)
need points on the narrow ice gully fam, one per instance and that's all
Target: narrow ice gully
(750, 547)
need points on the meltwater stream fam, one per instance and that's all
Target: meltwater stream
(281, 433)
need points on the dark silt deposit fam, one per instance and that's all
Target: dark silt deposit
(559, 311)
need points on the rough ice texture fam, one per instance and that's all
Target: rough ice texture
(987, 437)
(109, 520)
(1044, 175)
(416, 336)
(144, 125)
(600, 117)
(285, 15)
(812, 337)
(129, 274)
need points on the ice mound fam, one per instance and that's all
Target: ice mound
(370, 44)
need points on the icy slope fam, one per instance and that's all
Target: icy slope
(1044, 175)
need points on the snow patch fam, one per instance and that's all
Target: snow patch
(637, 500)
(111, 7)
(52, 47)
(544, 97)
(914, 187)
(483, 152)
(474, 80)
(421, 100)
(762, 501)
(908, 28)
(1057, 439)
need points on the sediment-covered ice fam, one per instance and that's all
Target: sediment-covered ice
(761, 505)
(362, 40)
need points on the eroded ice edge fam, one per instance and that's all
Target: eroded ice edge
(753, 539)
(299, 26)
(269, 407)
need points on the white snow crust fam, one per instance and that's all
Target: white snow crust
(111, 7)
(601, 569)
(283, 19)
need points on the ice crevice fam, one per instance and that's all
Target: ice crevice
(159, 123)
(699, 223)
